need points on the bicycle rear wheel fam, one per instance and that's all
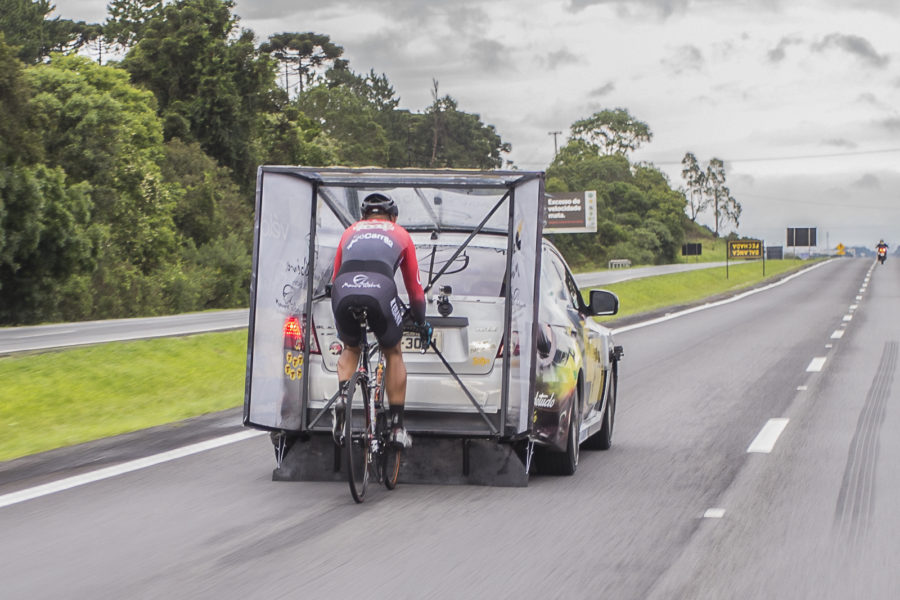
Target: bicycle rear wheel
(390, 454)
(357, 448)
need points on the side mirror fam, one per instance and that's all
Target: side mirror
(603, 303)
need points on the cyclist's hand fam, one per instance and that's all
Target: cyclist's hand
(425, 333)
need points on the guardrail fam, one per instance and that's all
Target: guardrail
(619, 263)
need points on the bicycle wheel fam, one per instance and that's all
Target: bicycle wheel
(356, 439)
(390, 454)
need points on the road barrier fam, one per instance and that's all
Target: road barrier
(619, 263)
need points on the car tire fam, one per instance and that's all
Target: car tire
(566, 463)
(602, 440)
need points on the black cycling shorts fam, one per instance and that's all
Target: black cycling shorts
(376, 293)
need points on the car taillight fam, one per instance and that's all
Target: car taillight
(513, 341)
(293, 335)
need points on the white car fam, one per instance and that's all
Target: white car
(576, 368)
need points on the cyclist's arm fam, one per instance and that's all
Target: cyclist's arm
(338, 256)
(409, 267)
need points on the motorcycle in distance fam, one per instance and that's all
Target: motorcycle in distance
(882, 255)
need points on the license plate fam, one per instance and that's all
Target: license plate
(411, 342)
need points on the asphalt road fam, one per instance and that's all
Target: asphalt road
(679, 508)
(46, 337)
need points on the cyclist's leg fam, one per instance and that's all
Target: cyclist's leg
(347, 363)
(348, 331)
(386, 323)
(395, 386)
(395, 378)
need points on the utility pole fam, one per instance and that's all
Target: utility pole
(554, 134)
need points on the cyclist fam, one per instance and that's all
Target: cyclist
(369, 254)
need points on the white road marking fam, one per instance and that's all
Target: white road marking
(765, 440)
(859, 297)
(801, 388)
(829, 345)
(816, 364)
(714, 513)
(848, 317)
(854, 306)
(134, 465)
(838, 334)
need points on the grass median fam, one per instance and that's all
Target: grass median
(653, 293)
(60, 398)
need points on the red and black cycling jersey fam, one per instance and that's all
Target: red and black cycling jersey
(380, 246)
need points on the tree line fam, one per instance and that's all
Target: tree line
(639, 215)
(129, 149)
(127, 185)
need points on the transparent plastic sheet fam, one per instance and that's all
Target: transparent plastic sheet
(285, 281)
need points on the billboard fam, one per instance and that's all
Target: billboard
(745, 249)
(801, 236)
(692, 249)
(571, 212)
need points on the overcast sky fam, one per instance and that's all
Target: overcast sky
(800, 98)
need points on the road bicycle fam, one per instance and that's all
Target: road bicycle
(364, 434)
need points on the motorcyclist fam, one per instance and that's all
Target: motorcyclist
(369, 254)
(881, 250)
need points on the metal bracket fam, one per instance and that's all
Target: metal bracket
(529, 452)
(280, 449)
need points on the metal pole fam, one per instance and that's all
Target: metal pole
(554, 134)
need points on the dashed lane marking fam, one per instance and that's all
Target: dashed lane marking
(765, 440)
(816, 364)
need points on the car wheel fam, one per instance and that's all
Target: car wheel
(602, 440)
(565, 463)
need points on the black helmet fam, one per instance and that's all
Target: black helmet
(379, 204)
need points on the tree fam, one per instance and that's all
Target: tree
(695, 181)
(25, 24)
(102, 130)
(725, 207)
(446, 137)
(303, 54)
(211, 84)
(349, 121)
(612, 131)
(128, 19)
(46, 234)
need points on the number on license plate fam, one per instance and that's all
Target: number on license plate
(411, 342)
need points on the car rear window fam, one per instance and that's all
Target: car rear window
(475, 272)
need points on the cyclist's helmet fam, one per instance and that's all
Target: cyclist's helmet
(379, 204)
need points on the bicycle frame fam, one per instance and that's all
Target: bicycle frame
(372, 439)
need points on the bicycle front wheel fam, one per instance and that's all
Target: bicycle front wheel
(357, 445)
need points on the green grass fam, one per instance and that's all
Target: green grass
(66, 397)
(652, 293)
